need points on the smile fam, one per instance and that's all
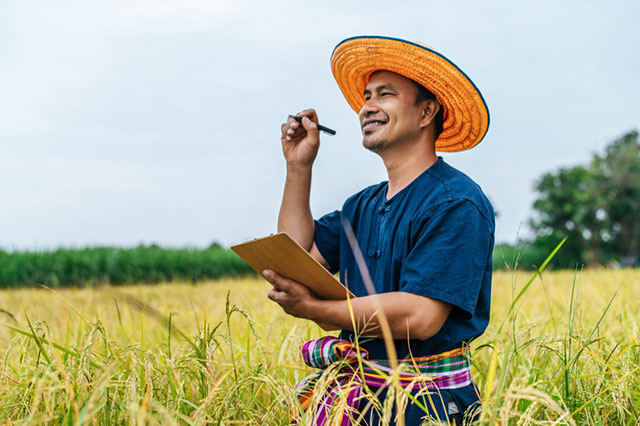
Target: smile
(372, 124)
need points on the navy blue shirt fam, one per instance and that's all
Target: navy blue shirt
(434, 238)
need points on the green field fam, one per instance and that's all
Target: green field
(566, 354)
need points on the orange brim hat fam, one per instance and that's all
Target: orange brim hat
(466, 115)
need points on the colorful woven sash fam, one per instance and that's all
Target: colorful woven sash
(346, 375)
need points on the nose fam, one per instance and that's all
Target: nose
(370, 107)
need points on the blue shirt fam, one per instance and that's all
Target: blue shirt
(434, 238)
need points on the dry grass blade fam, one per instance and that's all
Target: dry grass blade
(152, 313)
(35, 337)
(48, 342)
(70, 305)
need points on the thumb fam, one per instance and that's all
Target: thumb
(309, 125)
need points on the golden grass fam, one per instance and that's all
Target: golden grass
(554, 361)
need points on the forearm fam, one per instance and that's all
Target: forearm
(295, 214)
(408, 314)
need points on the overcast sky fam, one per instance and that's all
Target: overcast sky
(158, 121)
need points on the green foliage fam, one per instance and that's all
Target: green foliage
(520, 256)
(150, 264)
(618, 174)
(595, 206)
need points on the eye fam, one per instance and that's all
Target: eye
(385, 94)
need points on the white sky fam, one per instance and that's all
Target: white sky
(158, 121)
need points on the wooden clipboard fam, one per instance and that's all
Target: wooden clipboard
(281, 254)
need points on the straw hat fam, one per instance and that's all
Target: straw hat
(466, 115)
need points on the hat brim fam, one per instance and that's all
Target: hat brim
(466, 115)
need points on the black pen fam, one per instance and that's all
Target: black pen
(320, 126)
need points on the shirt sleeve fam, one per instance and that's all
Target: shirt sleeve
(451, 249)
(327, 239)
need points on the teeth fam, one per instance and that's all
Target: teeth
(373, 123)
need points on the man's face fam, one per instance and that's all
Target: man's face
(390, 115)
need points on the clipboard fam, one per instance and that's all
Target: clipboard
(281, 254)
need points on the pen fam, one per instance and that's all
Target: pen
(320, 126)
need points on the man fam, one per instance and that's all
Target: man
(426, 235)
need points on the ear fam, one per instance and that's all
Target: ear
(430, 108)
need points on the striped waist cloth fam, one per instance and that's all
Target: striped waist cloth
(352, 370)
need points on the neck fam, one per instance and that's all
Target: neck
(403, 166)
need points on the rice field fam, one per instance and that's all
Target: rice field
(560, 350)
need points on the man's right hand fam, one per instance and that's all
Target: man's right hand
(300, 141)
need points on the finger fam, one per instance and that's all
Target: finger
(280, 283)
(290, 123)
(293, 127)
(298, 133)
(288, 134)
(273, 294)
(286, 125)
(309, 113)
(270, 276)
(309, 125)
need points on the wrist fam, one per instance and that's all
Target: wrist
(299, 169)
(315, 310)
(324, 312)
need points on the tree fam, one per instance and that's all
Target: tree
(567, 207)
(618, 174)
(596, 207)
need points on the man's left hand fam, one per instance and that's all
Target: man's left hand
(294, 298)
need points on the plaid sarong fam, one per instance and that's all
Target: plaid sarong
(448, 370)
